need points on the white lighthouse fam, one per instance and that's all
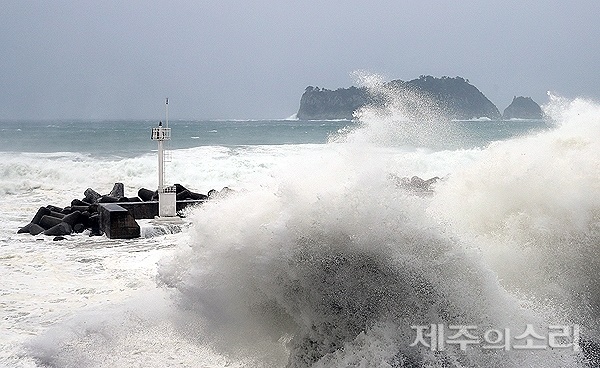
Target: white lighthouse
(167, 201)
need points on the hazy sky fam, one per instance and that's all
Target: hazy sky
(253, 59)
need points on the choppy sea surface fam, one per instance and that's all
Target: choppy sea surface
(319, 258)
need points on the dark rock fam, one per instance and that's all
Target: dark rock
(36, 229)
(54, 208)
(59, 238)
(91, 196)
(93, 208)
(185, 194)
(60, 229)
(42, 211)
(95, 225)
(85, 219)
(80, 208)
(49, 221)
(56, 214)
(523, 108)
(67, 210)
(79, 228)
(73, 218)
(179, 188)
(182, 193)
(108, 199)
(118, 191)
(79, 203)
(25, 229)
(145, 194)
(198, 196)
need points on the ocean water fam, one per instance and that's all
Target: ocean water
(319, 258)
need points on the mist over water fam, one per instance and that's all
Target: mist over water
(322, 260)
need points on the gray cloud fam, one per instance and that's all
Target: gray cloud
(240, 59)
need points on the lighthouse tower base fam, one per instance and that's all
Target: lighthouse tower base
(167, 203)
(167, 206)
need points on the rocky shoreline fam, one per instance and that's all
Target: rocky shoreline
(85, 214)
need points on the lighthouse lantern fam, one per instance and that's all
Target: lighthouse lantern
(167, 205)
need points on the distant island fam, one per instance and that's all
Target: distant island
(453, 98)
(523, 108)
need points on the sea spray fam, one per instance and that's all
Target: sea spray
(337, 261)
(145, 331)
(336, 264)
(398, 117)
(532, 204)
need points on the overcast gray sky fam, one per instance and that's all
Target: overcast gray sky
(234, 59)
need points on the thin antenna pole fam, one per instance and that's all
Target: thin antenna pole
(167, 111)
(162, 153)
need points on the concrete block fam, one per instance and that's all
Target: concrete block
(117, 223)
